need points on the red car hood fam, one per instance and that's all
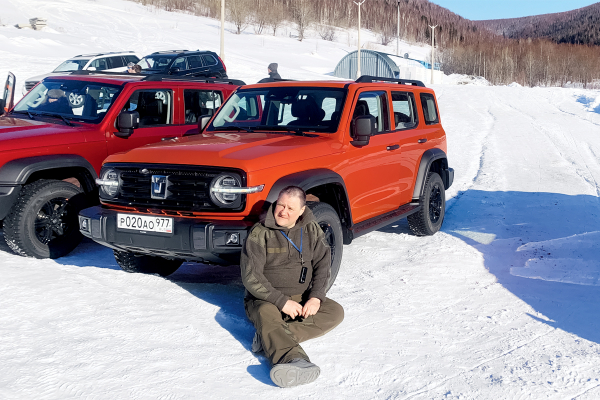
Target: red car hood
(19, 133)
(247, 151)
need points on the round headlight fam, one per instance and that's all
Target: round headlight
(226, 182)
(110, 183)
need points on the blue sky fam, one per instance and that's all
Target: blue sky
(497, 9)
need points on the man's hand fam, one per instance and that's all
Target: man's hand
(311, 307)
(292, 308)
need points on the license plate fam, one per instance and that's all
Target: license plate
(145, 223)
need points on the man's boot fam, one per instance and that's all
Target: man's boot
(296, 372)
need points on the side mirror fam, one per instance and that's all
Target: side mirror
(91, 68)
(126, 123)
(363, 128)
(203, 121)
(2, 104)
(174, 70)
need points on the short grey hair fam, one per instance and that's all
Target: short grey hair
(294, 191)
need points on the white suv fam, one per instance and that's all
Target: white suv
(115, 62)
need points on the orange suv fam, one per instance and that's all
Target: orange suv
(367, 153)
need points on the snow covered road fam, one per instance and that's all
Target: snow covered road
(504, 303)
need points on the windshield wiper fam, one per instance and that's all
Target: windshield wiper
(47, 114)
(233, 128)
(288, 130)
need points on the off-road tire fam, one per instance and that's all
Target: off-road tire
(130, 262)
(43, 223)
(329, 221)
(430, 218)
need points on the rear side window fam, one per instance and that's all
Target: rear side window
(405, 115)
(429, 110)
(115, 62)
(209, 60)
(155, 106)
(200, 102)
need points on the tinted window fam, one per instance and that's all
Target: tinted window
(429, 109)
(209, 60)
(131, 58)
(115, 62)
(180, 63)
(194, 62)
(282, 108)
(155, 62)
(200, 102)
(79, 100)
(100, 64)
(155, 106)
(403, 105)
(375, 104)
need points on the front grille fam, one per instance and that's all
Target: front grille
(29, 85)
(188, 188)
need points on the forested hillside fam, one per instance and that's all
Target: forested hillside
(581, 26)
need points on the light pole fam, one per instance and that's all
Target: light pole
(222, 53)
(398, 32)
(432, 49)
(358, 74)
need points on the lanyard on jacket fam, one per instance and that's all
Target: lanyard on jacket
(304, 270)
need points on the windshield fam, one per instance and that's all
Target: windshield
(282, 108)
(155, 62)
(71, 99)
(71, 65)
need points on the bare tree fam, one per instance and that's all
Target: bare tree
(238, 12)
(303, 14)
(326, 32)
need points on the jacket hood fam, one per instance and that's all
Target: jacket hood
(269, 219)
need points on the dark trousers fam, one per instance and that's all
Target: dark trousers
(281, 336)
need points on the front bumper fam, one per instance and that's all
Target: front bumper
(8, 197)
(192, 239)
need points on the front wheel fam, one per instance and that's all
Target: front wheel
(330, 223)
(433, 208)
(130, 262)
(43, 222)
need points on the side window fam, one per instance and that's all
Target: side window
(179, 63)
(200, 102)
(194, 62)
(375, 104)
(131, 58)
(209, 60)
(403, 105)
(115, 62)
(429, 109)
(100, 64)
(155, 106)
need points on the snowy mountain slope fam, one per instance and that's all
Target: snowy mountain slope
(504, 303)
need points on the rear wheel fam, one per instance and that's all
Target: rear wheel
(330, 223)
(433, 208)
(130, 262)
(43, 222)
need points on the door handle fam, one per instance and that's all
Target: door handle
(394, 147)
(422, 140)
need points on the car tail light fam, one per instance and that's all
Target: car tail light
(224, 67)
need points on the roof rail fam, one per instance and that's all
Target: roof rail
(103, 54)
(371, 79)
(161, 77)
(169, 51)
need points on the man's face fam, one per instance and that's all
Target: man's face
(288, 210)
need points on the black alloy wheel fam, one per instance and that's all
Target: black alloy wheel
(329, 222)
(429, 219)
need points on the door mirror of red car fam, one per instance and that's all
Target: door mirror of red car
(127, 122)
(174, 70)
(363, 128)
(203, 121)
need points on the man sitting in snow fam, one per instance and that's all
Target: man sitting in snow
(286, 265)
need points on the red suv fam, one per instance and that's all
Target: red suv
(53, 142)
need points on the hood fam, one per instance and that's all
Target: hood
(246, 151)
(268, 220)
(38, 78)
(19, 133)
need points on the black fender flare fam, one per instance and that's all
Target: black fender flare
(310, 179)
(18, 171)
(428, 158)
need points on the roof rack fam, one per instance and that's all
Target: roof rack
(188, 78)
(371, 79)
(169, 51)
(103, 54)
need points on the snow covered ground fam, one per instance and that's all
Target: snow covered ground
(504, 303)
